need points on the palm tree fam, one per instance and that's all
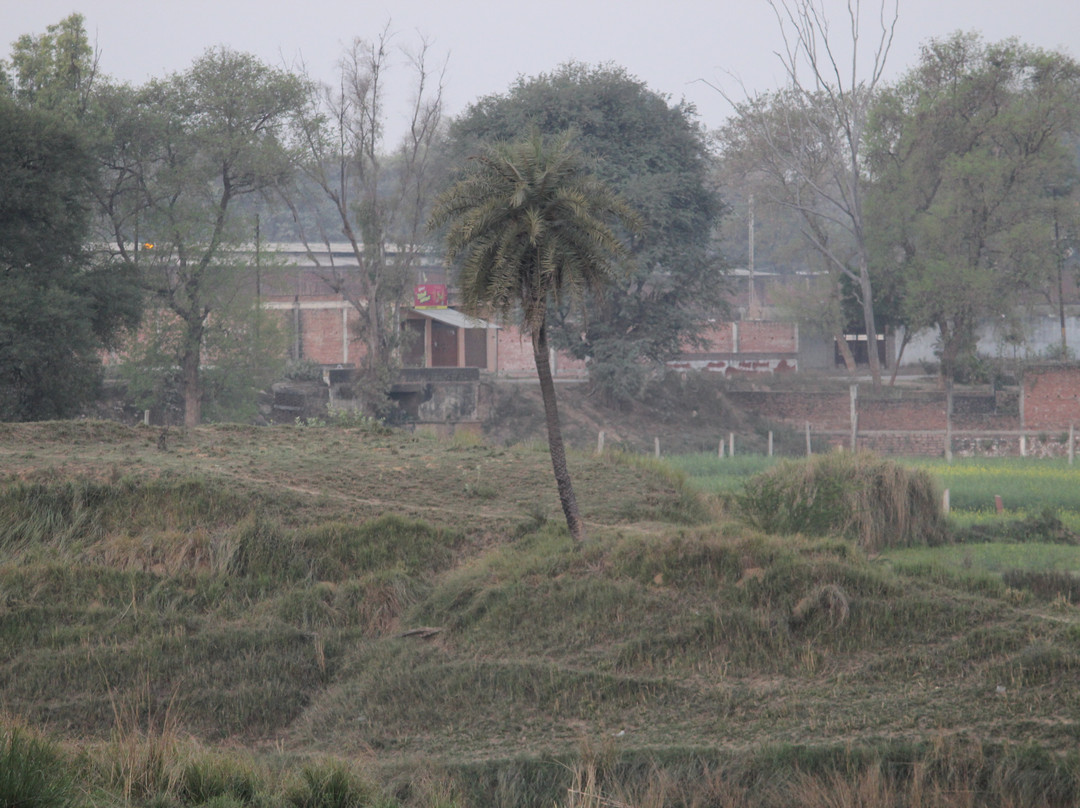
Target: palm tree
(528, 225)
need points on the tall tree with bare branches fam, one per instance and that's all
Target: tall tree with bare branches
(812, 132)
(377, 196)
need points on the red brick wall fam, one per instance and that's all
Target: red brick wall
(1052, 397)
(719, 337)
(910, 411)
(925, 444)
(747, 336)
(822, 410)
(759, 336)
(321, 330)
(516, 356)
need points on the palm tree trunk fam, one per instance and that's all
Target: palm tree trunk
(555, 441)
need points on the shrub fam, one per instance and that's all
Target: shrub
(1045, 526)
(876, 502)
(1046, 585)
(260, 547)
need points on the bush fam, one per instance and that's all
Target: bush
(876, 502)
(1045, 526)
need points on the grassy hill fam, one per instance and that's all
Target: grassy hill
(326, 616)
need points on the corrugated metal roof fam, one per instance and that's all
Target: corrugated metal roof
(455, 318)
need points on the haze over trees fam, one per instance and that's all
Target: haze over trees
(805, 142)
(935, 203)
(184, 150)
(973, 159)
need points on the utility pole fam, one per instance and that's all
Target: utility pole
(753, 291)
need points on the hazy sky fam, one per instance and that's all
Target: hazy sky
(669, 44)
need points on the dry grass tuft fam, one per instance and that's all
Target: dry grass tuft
(877, 502)
(828, 601)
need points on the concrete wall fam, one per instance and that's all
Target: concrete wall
(1040, 330)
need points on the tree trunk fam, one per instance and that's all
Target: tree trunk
(845, 352)
(899, 356)
(189, 368)
(950, 351)
(555, 441)
(867, 294)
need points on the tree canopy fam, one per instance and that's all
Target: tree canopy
(653, 153)
(55, 70)
(183, 151)
(968, 149)
(59, 305)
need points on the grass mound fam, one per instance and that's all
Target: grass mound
(308, 617)
(876, 502)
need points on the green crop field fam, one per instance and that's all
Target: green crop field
(1026, 486)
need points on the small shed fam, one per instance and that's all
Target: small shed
(448, 338)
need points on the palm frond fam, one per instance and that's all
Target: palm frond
(528, 222)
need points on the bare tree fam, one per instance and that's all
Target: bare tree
(812, 133)
(378, 198)
(757, 148)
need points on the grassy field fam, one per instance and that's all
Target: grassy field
(315, 616)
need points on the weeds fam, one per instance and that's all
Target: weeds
(215, 778)
(1045, 526)
(144, 744)
(1046, 586)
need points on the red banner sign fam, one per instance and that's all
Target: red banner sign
(429, 296)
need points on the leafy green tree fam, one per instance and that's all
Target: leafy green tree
(54, 70)
(184, 150)
(59, 304)
(529, 227)
(242, 355)
(653, 153)
(968, 149)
